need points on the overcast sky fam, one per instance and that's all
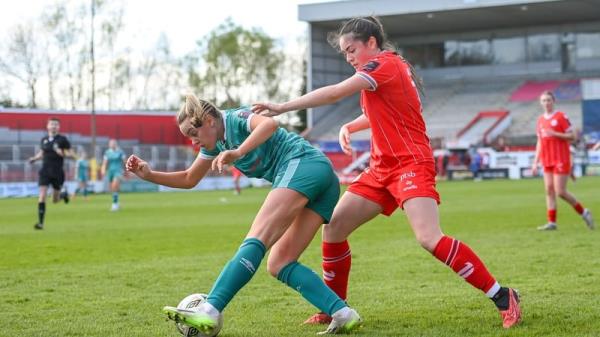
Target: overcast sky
(183, 21)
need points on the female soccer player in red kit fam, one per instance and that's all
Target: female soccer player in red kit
(401, 172)
(552, 151)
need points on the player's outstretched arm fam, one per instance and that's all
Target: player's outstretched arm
(180, 179)
(322, 96)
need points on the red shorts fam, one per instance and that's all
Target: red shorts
(409, 182)
(559, 168)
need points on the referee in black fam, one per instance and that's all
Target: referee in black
(54, 148)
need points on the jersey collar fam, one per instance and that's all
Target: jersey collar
(549, 116)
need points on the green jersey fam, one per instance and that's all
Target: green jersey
(266, 159)
(83, 167)
(114, 159)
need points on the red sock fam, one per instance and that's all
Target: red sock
(466, 264)
(551, 215)
(578, 208)
(337, 260)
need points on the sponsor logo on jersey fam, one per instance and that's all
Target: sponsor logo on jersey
(369, 67)
(407, 175)
(553, 122)
(411, 187)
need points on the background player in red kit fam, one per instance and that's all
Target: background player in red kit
(401, 172)
(236, 175)
(552, 151)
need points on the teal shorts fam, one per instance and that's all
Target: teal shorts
(114, 174)
(312, 176)
(82, 177)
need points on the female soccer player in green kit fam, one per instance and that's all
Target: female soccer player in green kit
(112, 169)
(305, 191)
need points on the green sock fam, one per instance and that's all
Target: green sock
(311, 287)
(236, 273)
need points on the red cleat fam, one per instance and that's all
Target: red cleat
(512, 315)
(318, 318)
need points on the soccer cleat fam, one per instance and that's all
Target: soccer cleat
(587, 217)
(512, 315)
(318, 318)
(115, 207)
(550, 226)
(64, 196)
(200, 320)
(38, 226)
(344, 320)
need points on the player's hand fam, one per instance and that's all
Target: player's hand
(344, 139)
(32, 160)
(549, 133)
(138, 167)
(534, 170)
(225, 158)
(267, 109)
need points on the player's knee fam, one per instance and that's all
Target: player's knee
(563, 194)
(275, 264)
(334, 231)
(428, 240)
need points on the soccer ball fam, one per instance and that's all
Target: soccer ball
(193, 302)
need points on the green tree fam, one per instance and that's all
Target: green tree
(239, 65)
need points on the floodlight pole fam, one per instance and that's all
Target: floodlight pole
(93, 75)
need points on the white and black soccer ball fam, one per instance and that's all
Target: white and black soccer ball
(193, 302)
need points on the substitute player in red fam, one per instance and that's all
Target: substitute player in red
(401, 172)
(554, 134)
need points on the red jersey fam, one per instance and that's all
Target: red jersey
(554, 151)
(393, 108)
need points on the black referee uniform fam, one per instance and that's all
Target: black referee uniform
(52, 172)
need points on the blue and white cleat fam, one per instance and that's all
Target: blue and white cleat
(344, 320)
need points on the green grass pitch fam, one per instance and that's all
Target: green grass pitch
(96, 273)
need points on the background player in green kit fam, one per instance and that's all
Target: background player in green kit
(82, 174)
(305, 191)
(112, 169)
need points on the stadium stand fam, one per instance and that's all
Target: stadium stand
(567, 90)
(151, 135)
(20, 126)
